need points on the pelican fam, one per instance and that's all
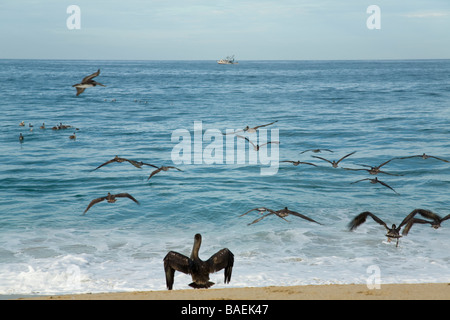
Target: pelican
(21, 137)
(435, 222)
(280, 213)
(374, 181)
(374, 170)
(423, 156)
(120, 160)
(316, 150)
(111, 198)
(254, 129)
(392, 233)
(162, 168)
(296, 163)
(87, 82)
(197, 268)
(333, 163)
(22, 124)
(256, 147)
(73, 137)
(43, 126)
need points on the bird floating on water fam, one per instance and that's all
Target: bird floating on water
(392, 232)
(280, 213)
(197, 268)
(333, 163)
(87, 82)
(374, 181)
(110, 198)
(22, 124)
(21, 138)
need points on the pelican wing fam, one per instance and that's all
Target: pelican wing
(411, 222)
(322, 159)
(386, 162)
(175, 261)
(302, 216)
(361, 218)
(126, 195)
(386, 185)
(80, 91)
(246, 139)
(259, 219)
(311, 164)
(276, 142)
(261, 210)
(171, 167)
(438, 158)
(90, 77)
(223, 259)
(154, 172)
(348, 155)
(104, 164)
(445, 218)
(93, 202)
(265, 125)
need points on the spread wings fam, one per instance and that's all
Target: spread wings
(223, 259)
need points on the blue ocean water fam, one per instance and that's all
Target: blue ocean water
(380, 109)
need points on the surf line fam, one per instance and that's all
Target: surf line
(226, 148)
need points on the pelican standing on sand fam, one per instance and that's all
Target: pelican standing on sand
(87, 82)
(197, 268)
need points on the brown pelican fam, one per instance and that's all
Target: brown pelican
(87, 82)
(296, 163)
(316, 150)
(280, 213)
(21, 137)
(137, 164)
(43, 126)
(252, 130)
(435, 222)
(162, 168)
(335, 163)
(256, 147)
(197, 268)
(374, 181)
(392, 233)
(22, 124)
(423, 156)
(73, 137)
(374, 170)
(111, 198)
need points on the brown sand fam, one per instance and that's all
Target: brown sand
(427, 291)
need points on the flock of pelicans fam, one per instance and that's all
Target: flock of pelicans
(224, 259)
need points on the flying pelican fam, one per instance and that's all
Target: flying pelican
(197, 268)
(423, 156)
(435, 222)
(111, 198)
(87, 82)
(252, 130)
(296, 163)
(335, 163)
(316, 150)
(374, 181)
(162, 168)
(374, 170)
(256, 147)
(280, 213)
(137, 164)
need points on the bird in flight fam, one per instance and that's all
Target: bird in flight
(333, 163)
(110, 198)
(87, 82)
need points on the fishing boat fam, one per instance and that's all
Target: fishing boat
(227, 60)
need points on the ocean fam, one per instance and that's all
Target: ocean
(149, 109)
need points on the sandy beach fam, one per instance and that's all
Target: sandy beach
(427, 291)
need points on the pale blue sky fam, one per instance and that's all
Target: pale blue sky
(205, 29)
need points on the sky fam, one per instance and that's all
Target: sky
(205, 29)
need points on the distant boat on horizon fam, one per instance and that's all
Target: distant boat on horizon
(227, 60)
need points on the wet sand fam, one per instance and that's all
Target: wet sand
(426, 291)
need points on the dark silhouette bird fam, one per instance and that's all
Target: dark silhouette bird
(374, 181)
(21, 138)
(197, 268)
(137, 164)
(435, 222)
(333, 163)
(252, 130)
(256, 147)
(280, 213)
(73, 136)
(316, 150)
(43, 126)
(87, 82)
(110, 198)
(162, 168)
(423, 156)
(392, 233)
(296, 163)
(374, 170)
